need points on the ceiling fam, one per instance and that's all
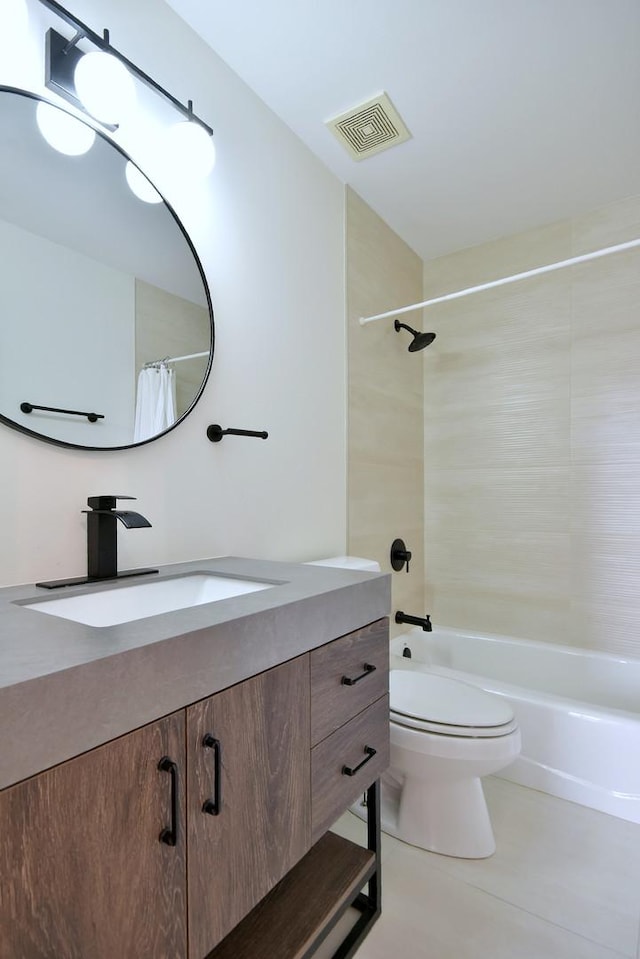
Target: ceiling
(521, 111)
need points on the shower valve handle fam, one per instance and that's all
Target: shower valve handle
(400, 555)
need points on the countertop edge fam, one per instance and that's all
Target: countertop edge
(48, 719)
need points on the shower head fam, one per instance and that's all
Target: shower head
(419, 341)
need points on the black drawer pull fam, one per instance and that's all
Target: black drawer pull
(170, 834)
(212, 806)
(348, 771)
(348, 681)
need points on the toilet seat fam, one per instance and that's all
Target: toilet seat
(455, 708)
(458, 732)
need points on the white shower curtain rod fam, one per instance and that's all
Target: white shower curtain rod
(176, 359)
(506, 279)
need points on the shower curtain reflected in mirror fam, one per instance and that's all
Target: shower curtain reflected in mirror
(155, 401)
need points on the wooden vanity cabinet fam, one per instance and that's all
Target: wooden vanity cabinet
(83, 873)
(245, 782)
(248, 765)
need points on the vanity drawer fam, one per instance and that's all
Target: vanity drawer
(342, 685)
(333, 789)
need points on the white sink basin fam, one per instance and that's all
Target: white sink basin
(109, 607)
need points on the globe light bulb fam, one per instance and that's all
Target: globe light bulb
(139, 184)
(190, 150)
(63, 132)
(105, 87)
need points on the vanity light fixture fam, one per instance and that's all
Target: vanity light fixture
(100, 83)
(62, 131)
(139, 184)
(190, 149)
(104, 86)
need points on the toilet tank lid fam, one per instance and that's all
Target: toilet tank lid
(347, 562)
(439, 699)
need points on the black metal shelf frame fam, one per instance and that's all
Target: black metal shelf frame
(369, 904)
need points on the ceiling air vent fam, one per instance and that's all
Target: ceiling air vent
(369, 128)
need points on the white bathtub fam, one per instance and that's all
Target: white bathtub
(578, 711)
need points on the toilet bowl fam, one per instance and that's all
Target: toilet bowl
(445, 736)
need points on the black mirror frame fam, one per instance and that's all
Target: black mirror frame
(108, 449)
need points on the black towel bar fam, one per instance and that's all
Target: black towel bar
(30, 407)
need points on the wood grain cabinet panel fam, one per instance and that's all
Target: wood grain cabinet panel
(83, 873)
(335, 869)
(342, 680)
(263, 824)
(333, 789)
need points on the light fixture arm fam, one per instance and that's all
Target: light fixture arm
(79, 34)
(103, 44)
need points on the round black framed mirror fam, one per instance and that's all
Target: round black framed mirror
(106, 322)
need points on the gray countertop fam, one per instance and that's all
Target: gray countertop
(66, 687)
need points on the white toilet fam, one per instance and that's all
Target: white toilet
(445, 735)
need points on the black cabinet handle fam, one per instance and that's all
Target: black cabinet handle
(170, 834)
(213, 806)
(348, 681)
(370, 753)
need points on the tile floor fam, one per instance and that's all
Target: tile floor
(564, 883)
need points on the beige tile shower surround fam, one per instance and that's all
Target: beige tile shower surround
(169, 325)
(532, 438)
(531, 429)
(385, 451)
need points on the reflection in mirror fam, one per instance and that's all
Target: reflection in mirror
(101, 295)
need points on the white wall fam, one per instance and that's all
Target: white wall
(269, 230)
(74, 326)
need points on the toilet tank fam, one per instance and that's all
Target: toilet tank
(347, 562)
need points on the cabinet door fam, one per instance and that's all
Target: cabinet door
(83, 871)
(260, 773)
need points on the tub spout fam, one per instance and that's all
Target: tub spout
(423, 621)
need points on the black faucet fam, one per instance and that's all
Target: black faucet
(102, 542)
(102, 539)
(423, 621)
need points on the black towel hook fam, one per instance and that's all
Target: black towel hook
(215, 433)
